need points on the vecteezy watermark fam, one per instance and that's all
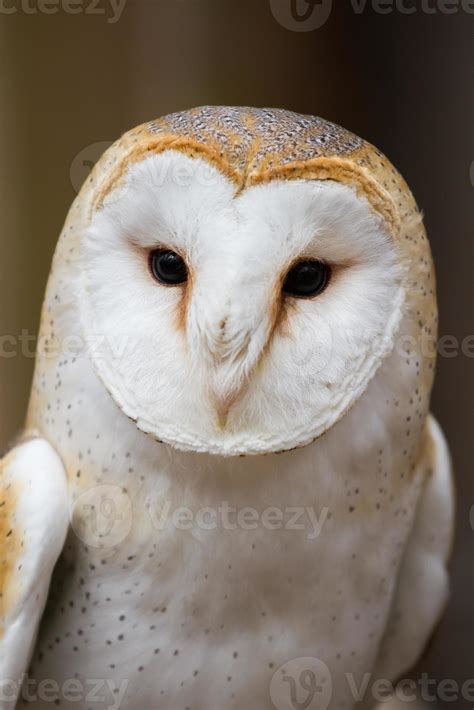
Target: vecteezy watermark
(301, 15)
(30, 346)
(158, 173)
(301, 684)
(410, 7)
(84, 161)
(104, 692)
(306, 683)
(409, 690)
(227, 517)
(121, 345)
(110, 9)
(310, 15)
(102, 517)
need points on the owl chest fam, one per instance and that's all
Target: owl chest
(198, 606)
(184, 587)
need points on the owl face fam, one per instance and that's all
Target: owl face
(236, 321)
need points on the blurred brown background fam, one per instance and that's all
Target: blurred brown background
(403, 81)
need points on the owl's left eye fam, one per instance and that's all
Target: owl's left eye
(168, 267)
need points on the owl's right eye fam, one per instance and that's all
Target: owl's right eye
(307, 279)
(167, 267)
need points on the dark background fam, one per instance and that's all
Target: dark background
(402, 81)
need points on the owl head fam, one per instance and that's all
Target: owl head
(244, 271)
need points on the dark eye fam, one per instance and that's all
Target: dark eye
(168, 267)
(306, 278)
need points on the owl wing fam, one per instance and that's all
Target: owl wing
(423, 582)
(33, 525)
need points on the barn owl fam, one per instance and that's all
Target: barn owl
(229, 492)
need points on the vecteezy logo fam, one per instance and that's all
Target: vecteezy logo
(102, 516)
(306, 14)
(301, 684)
(301, 15)
(84, 161)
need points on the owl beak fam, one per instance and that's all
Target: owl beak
(228, 385)
(231, 374)
(229, 334)
(223, 406)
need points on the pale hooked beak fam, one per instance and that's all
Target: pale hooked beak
(232, 365)
(231, 344)
(223, 405)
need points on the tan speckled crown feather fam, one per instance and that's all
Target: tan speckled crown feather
(257, 145)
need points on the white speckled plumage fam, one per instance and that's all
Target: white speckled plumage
(338, 386)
